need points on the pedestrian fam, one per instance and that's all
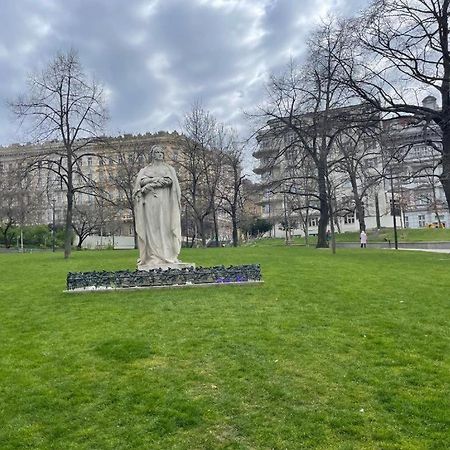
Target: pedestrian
(363, 239)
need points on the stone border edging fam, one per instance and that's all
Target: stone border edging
(125, 279)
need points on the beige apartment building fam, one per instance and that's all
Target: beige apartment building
(100, 160)
(103, 162)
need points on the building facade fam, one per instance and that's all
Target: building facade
(98, 166)
(396, 172)
(103, 179)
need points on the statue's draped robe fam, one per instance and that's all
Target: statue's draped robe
(157, 213)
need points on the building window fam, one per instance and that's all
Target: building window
(349, 219)
(313, 221)
(421, 218)
(89, 161)
(406, 219)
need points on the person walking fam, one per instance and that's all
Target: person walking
(363, 239)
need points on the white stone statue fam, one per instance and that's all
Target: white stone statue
(157, 210)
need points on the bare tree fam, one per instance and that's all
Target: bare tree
(400, 52)
(197, 166)
(358, 159)
(309, 104)
(63, 104)
(231, 187)
(124, 163)
(20, 202)
(91, 218)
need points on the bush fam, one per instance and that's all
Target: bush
(35, 236)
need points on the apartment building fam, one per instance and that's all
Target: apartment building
(407, 186)
(101, 159)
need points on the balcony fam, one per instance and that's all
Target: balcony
(263, 152)
(261, 169)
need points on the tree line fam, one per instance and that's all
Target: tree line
(66, 110)
(325, 115)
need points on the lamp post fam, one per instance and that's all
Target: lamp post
(53, 225)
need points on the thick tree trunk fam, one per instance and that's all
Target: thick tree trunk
(445, 98)
(235, 229)
(216, 228)
(7, 240)
(68, 225)
(323, 204)
(445, 175)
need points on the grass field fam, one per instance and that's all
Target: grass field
(345, 351)
(409, 235)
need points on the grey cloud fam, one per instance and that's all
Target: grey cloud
(157, 57)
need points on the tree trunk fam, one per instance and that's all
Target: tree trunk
(68, 225)
(323, 199)
(5, 235)
(333, 233)
(216, 228)
(235, 229)
(445, 175)
(377, 212)
(435, 204)
(445, 97)
(133, 216)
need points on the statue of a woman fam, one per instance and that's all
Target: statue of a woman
(157, 210)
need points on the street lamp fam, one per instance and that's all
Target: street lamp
(53, 225)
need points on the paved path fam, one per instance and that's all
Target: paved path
(434, 250)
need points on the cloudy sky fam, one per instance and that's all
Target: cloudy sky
(157, 57)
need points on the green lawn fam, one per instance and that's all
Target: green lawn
(405, 235)
(345, 351)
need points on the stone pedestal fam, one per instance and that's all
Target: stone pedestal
(179, 265)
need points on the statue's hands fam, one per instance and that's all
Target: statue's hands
(145, 180)
(148, 188)
(161, 182)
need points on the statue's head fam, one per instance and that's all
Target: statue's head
(157, 153)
